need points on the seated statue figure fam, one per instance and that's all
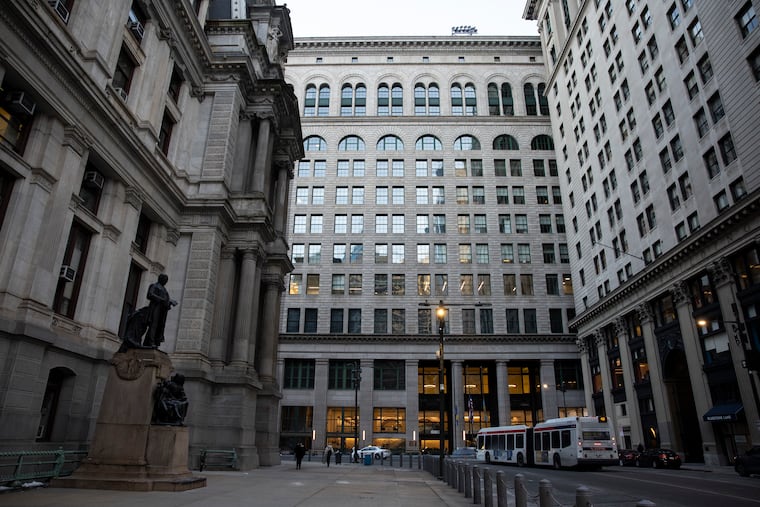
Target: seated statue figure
(170, 402)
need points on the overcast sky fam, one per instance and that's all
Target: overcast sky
(334, 18)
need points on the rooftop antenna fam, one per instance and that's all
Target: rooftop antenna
(463, 30)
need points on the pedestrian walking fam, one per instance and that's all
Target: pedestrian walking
(328, 454)
(299, 451)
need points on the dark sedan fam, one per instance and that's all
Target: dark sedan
(628, 457)
(748, 463)
(659, 458)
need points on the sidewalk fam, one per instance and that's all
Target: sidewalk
(315, 485)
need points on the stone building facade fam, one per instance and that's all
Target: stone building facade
(654, 111)
(428, 178)
(139, 138)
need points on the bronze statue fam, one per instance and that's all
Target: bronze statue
(170, 402)
(149, 320)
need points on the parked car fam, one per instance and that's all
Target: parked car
(628, 457)
(659, 458)
(465, 453)
(375, 451)
(748, 463)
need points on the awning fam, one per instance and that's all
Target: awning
(724, 413)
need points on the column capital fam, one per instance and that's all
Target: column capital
(644, 312)
(721, 271)
(620, 327)
(273, 282)
(249, 252)
(228, 253)
(133, 197)
(680, 293)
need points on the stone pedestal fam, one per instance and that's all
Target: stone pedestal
(127, 452)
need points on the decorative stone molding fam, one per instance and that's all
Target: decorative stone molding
(720, 271)
(620, 328)
(599, 338)
(133, 197)
(172, 235)
(111, 233)
(680, 293)
(273, 282)
(168, 35)
(76, 139)
(66, 325)
(43, 179)
(127, 367)
(157, 268)
(644, 312)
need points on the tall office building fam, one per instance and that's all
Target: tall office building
(429, 179)
(139, 138)
(654, 109)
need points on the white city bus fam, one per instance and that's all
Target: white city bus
(503, 444)
(574, 442)
(563, 442)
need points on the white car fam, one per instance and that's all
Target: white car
(374, 451)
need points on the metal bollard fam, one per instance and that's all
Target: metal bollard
(521, 495)
(645, 503)
(487, 488)
(461, 476)
(501, 489)
(583, 497)
(471, 474)
(545, 493)
(447, 475)
(475, 484)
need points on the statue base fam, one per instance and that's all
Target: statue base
(127, 452)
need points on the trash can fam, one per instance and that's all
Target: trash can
(368, 459)
(338, 457)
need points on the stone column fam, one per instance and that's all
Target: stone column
(223, 307)
(261, 160)
(604, 365)
(458, 409)
(548, 389)
(731, 310)
(695, 361)
(321, 375)
(502, 394)
(284, 175)
(632, 400)
(273, 288)
(412, 405)
(586, 371)
(244, 318)
(661, 406)
(365, 403)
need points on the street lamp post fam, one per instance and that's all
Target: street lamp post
(441, 314)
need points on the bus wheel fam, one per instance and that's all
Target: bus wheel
(520, 460)
(488, 457)
(557, 462)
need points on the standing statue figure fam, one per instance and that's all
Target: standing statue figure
(160, 304)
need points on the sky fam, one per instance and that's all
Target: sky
(335, 18)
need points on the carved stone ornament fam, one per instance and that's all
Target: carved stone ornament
(720, 271)
(680, 293)
(620, 329)
(645, 313)
(127, 367)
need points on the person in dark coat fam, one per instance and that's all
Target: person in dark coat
(300, 451)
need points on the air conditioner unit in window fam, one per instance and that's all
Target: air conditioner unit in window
(121, 92)
(68, 273)
(137, 29)
(21, 102)
(93, 179)
(60, 7)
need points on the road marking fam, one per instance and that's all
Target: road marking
(694, 489)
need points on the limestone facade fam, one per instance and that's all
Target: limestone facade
(654, 109)
(140, 138)
(428, 176)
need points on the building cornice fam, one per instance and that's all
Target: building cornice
(475, 42)
(371, 339)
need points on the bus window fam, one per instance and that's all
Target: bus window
(545, 441)
(596, 435)
(481, 442)
(565, 438)
(537, 441)
(488, 441)
(555, 439)
(519, 443)
(501, 442)
(510, 442)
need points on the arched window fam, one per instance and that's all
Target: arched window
(390, 143)
(470, 101)
(493, 100)
(347, 100)
(310, 101)
(383, 100)
(351, 143)
(505, 142)
(360, 100)
(397, 100)
(434, 100)
(530, 99)
(457, 107)
(426, 100)
(323, 106)
(314, 143)
(543, 104)
(542, 142)
(420, 108)
(428, 143)
(507, 103)
(466, 142)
